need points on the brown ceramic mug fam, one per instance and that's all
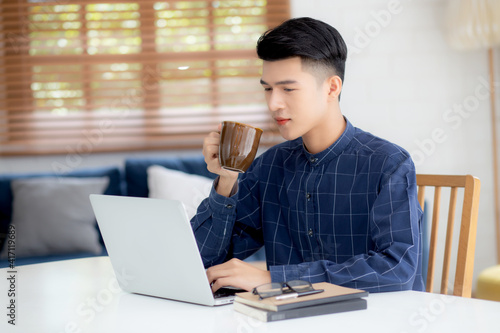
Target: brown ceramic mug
(238, 145)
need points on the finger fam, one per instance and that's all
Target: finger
(214, 135)
(217, 272)
(222, 282)
(210, 148)
(211, 152)
(225, 274)
(211, 140)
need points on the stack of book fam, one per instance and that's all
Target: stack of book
(333, 299)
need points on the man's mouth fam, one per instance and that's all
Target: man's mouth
(282, 121)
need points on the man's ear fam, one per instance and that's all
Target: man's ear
(334, 84)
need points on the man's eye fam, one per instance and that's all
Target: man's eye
(288, 90)
(268, 89)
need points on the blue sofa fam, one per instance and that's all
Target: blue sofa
(130, 180)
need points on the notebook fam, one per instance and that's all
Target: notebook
(150, 241)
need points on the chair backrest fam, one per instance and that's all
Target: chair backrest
(468, 227)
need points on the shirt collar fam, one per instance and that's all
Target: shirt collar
(334, 150)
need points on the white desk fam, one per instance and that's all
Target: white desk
(82, 296)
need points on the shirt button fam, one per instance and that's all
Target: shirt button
(229, 206)
(308, 196)
(310, 233)
(313, 160)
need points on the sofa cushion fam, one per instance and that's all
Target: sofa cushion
(171, 184)
(136, 171)
(115, 187)
(54, 216)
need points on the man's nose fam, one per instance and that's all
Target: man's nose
(274, 101)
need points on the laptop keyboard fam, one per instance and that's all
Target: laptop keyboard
(227, 291)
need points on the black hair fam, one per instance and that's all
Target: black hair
(319, 45)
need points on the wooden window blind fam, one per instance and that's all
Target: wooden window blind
(124, 75)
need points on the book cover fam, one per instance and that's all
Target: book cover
(332, 293)
(308, 311)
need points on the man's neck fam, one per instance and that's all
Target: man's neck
(326, 134)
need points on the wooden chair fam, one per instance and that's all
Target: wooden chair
(468, 227)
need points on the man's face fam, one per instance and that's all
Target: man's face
(298, 103)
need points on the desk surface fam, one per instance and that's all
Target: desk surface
(82, 295)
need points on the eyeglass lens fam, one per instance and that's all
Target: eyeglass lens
(299, 285)
(269, 290)
(275, 289)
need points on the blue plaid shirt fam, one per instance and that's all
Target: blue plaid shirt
(348, 215)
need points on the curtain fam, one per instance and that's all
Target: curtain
(89, 76)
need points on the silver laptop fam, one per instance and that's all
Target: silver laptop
(151, 243)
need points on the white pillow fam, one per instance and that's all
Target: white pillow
(190, 189)
(53, 215)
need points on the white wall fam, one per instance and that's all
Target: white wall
(404, 82)
(401, 80)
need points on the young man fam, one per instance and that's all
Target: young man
(333, 203)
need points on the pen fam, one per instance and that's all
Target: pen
(295, 295)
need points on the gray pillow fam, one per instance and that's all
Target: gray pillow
(53, 215)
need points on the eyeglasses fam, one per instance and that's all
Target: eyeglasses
(284, 290)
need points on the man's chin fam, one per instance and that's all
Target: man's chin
(287, 135)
